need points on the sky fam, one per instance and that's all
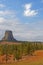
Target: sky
(23, 17)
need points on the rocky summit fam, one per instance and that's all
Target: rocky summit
(8, 36)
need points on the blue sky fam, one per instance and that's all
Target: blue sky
(23, 17)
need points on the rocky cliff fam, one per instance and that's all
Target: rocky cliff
(8, 36)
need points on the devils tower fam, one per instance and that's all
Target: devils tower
(8, 36)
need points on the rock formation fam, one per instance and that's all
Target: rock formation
(8, 36)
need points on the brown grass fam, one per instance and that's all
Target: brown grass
(38, 55)
(10, 43)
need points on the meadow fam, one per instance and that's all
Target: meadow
(21, 53)
(39, 62)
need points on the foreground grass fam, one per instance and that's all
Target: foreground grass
(25, 63)
(30, 60)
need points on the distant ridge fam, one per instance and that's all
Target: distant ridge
(8, 36)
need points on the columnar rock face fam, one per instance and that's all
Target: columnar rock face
(8, 36)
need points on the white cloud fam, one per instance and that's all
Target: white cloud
(6, 12)
(6, 15)
(28, 11)
(27, 6)
(2, 5)
(26, 31)
(2, 20)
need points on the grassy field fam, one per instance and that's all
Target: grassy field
(29, 54)
(30, 60)
(26, 63)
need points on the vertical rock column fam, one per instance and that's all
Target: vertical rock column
(8, 36)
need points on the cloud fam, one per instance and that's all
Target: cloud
(6, 15)
(27, 6)
(30, 33)
(6, 12)
(2, 20)
(2, 5)
(28, 11)
(24, 32)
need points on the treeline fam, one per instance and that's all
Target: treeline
(19, 50)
